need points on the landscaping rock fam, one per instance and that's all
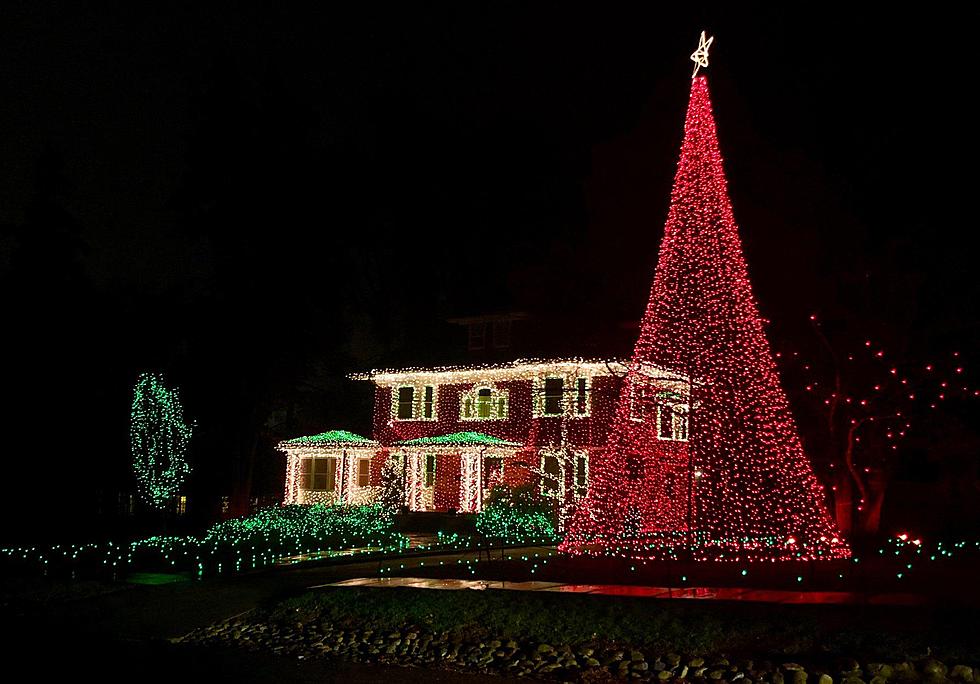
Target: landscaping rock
(962, 673)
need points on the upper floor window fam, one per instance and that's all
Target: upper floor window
(672, 422)
(554, 390)
(484, 403)
(550, 396)
(477, 336)
(406, 403)
(501, 334)
(412, 402)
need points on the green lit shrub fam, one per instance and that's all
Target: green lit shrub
(517, 515)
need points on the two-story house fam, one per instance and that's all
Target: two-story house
(457, 431)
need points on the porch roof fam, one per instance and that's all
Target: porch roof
(461, 439)
(331, 438)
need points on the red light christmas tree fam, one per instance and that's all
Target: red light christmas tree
(743, 488)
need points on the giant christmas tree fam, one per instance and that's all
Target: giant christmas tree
(742, 487)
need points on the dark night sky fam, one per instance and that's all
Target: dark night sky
(258, 200)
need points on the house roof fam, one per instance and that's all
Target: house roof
(460, 439)
(330, 438)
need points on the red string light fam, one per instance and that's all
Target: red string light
(742, 488)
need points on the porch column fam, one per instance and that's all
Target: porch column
(470, 482)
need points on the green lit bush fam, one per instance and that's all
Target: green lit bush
(516, 516)
(231, 546)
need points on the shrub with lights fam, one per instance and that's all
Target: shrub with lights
(517, 516)
(256, 541)
(159, 438)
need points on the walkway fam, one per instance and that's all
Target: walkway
(716, 593)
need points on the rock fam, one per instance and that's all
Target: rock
(777, 677)
(852, 680)
(592, 662)
(682, 673)
(640, 666)
(659, 666)
(695, 662)
(792, 667)
(664, 675)
(798, 676)
(825, 679)
(934, 668)
(672, 659)
(716, 674)
(878, 679)
(545, 648)
(964, 673)
(880, 670)
(637, 656)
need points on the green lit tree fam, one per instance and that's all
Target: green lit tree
(159, 437)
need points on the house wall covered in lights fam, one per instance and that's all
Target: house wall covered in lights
(456, 432)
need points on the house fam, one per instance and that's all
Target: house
(456, 431)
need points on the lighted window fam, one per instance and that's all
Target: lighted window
(553, 391)
(318, 474)
(672, 422)
(406, 403)
(363, 472)
(430, 469)
(182, 505)
(484, 403)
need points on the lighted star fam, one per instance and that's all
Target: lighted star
(700, 56)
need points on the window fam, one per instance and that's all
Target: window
(318, 474)
(414, 402)
(680, 426)
(642, 405)
(666, 423)
(182, 505)
(406, 403)
(501, 334)
(581, 396)
(484, 403)
(581, 474)
(553, 389)
(673, 422)
(549, 485)
(430, 469)
(363, 472)
(478, 336)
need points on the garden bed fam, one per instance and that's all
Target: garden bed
(593, 637)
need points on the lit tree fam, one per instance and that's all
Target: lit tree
(159, 437)
(392, 494)
(743, 488)
(866, 402)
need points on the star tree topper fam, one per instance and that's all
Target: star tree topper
(700, 56)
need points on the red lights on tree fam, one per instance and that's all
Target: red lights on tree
(743, 488)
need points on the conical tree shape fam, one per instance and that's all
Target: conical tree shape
(741, 486)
